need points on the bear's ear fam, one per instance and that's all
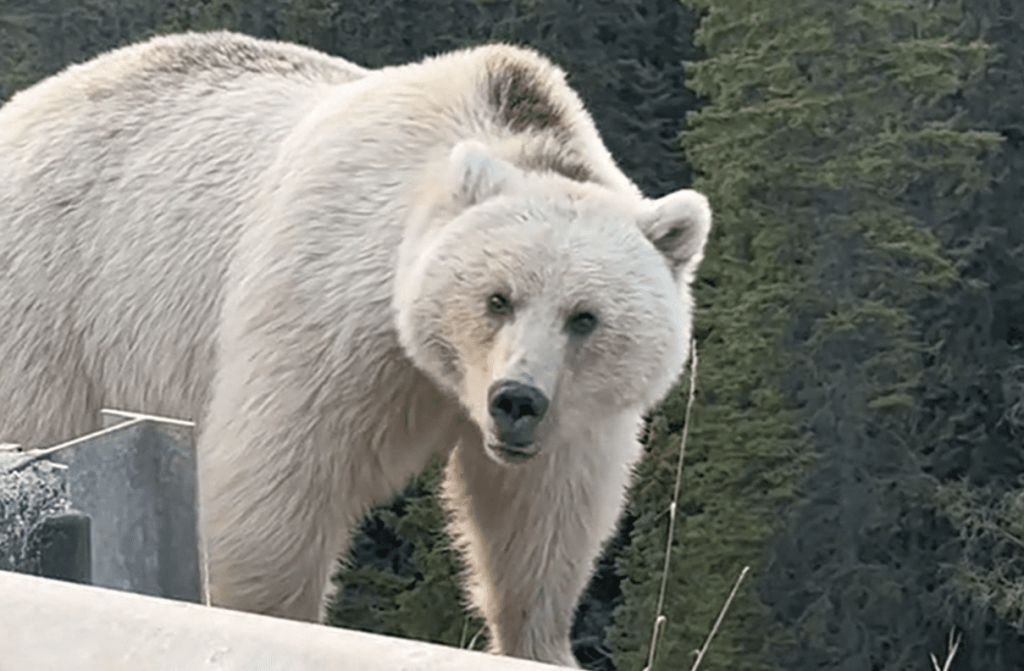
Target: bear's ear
(476, 174)
(678, 225)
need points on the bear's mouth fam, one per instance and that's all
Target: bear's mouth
(514, 454)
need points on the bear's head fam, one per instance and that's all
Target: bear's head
(539, 301)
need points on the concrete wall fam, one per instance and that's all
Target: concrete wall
(48, 624)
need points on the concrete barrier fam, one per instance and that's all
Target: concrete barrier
(48, 624)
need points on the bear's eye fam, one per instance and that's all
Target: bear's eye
(582, 323)
(499, 304)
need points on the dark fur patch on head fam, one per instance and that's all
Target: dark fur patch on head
(521, 100)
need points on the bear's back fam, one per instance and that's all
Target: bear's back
(125, 183)
(169, 62)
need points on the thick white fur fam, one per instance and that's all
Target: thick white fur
(297, 253)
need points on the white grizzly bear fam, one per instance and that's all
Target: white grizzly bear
(338, 273)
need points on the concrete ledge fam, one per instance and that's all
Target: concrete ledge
(48, 624)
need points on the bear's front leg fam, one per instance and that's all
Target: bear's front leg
(289, 462)
(280, 481)
(530, 532)
(269, 528)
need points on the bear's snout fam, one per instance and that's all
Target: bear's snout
(516, 409)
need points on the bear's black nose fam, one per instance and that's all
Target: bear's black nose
(517, 409)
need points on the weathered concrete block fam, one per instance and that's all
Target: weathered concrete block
(136, 482)
(59, 547)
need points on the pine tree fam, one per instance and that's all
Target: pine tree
(975, 385)
(833, 148)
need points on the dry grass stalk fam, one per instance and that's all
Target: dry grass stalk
(659, 619)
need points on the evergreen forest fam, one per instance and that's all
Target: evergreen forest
(857, 430)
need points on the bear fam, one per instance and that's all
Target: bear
(338, 273)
